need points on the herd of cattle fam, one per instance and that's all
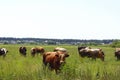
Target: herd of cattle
(57, 57)
(96, 53)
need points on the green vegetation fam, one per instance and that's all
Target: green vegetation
(115, 43)
(17, 67)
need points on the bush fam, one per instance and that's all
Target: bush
(115, 43)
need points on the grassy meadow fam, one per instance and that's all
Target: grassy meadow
(17, 67)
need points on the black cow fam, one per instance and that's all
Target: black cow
(23, 51)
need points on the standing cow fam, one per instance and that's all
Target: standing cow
(96, 53)
(3, 52)
(117, 53)
(60, 49)
(83, 51)
(37, 50)
(23, 51)
(54, 60)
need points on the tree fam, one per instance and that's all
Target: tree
(115, 43)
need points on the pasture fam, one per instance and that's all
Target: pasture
(17, 67)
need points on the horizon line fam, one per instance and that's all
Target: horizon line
(57, 38)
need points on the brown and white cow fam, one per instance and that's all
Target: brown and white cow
(3, 52)
(60, 49)
(54, 60)
(23, 50)
(96, 53)
(117, 53)
(37, 50)
(91, 53)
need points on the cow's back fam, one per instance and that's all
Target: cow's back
(51, 59)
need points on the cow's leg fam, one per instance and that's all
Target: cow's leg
(118, 57)
(4, 55)
(93, 58)
(37, 53)
(57, 71)
(44, 65)
(24, 54)
(33, 54)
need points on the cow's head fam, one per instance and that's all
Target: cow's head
(102, 55)
(62, 57)
(24, 49)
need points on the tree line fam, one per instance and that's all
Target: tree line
(11, 40)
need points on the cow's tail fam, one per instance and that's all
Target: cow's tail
(44, 58)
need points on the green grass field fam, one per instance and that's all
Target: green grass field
(17, 67)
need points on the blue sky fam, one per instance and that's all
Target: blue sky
(61, 19)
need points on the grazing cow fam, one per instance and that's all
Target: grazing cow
(37, 50)
(96, 53)
(54, 60)
(117, 53)
(23, 51)
(82, 51)
(60, 49)
(91, 53)
(3, 52)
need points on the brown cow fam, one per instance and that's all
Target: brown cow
(23, 51)
(91, 53)
(96, 53)
(54, 60)
(37, 50)
(117, 53)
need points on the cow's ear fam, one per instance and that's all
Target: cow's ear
(57, 55)
(100, 49)
(66, 55)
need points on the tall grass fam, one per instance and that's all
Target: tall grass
(17, 67)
